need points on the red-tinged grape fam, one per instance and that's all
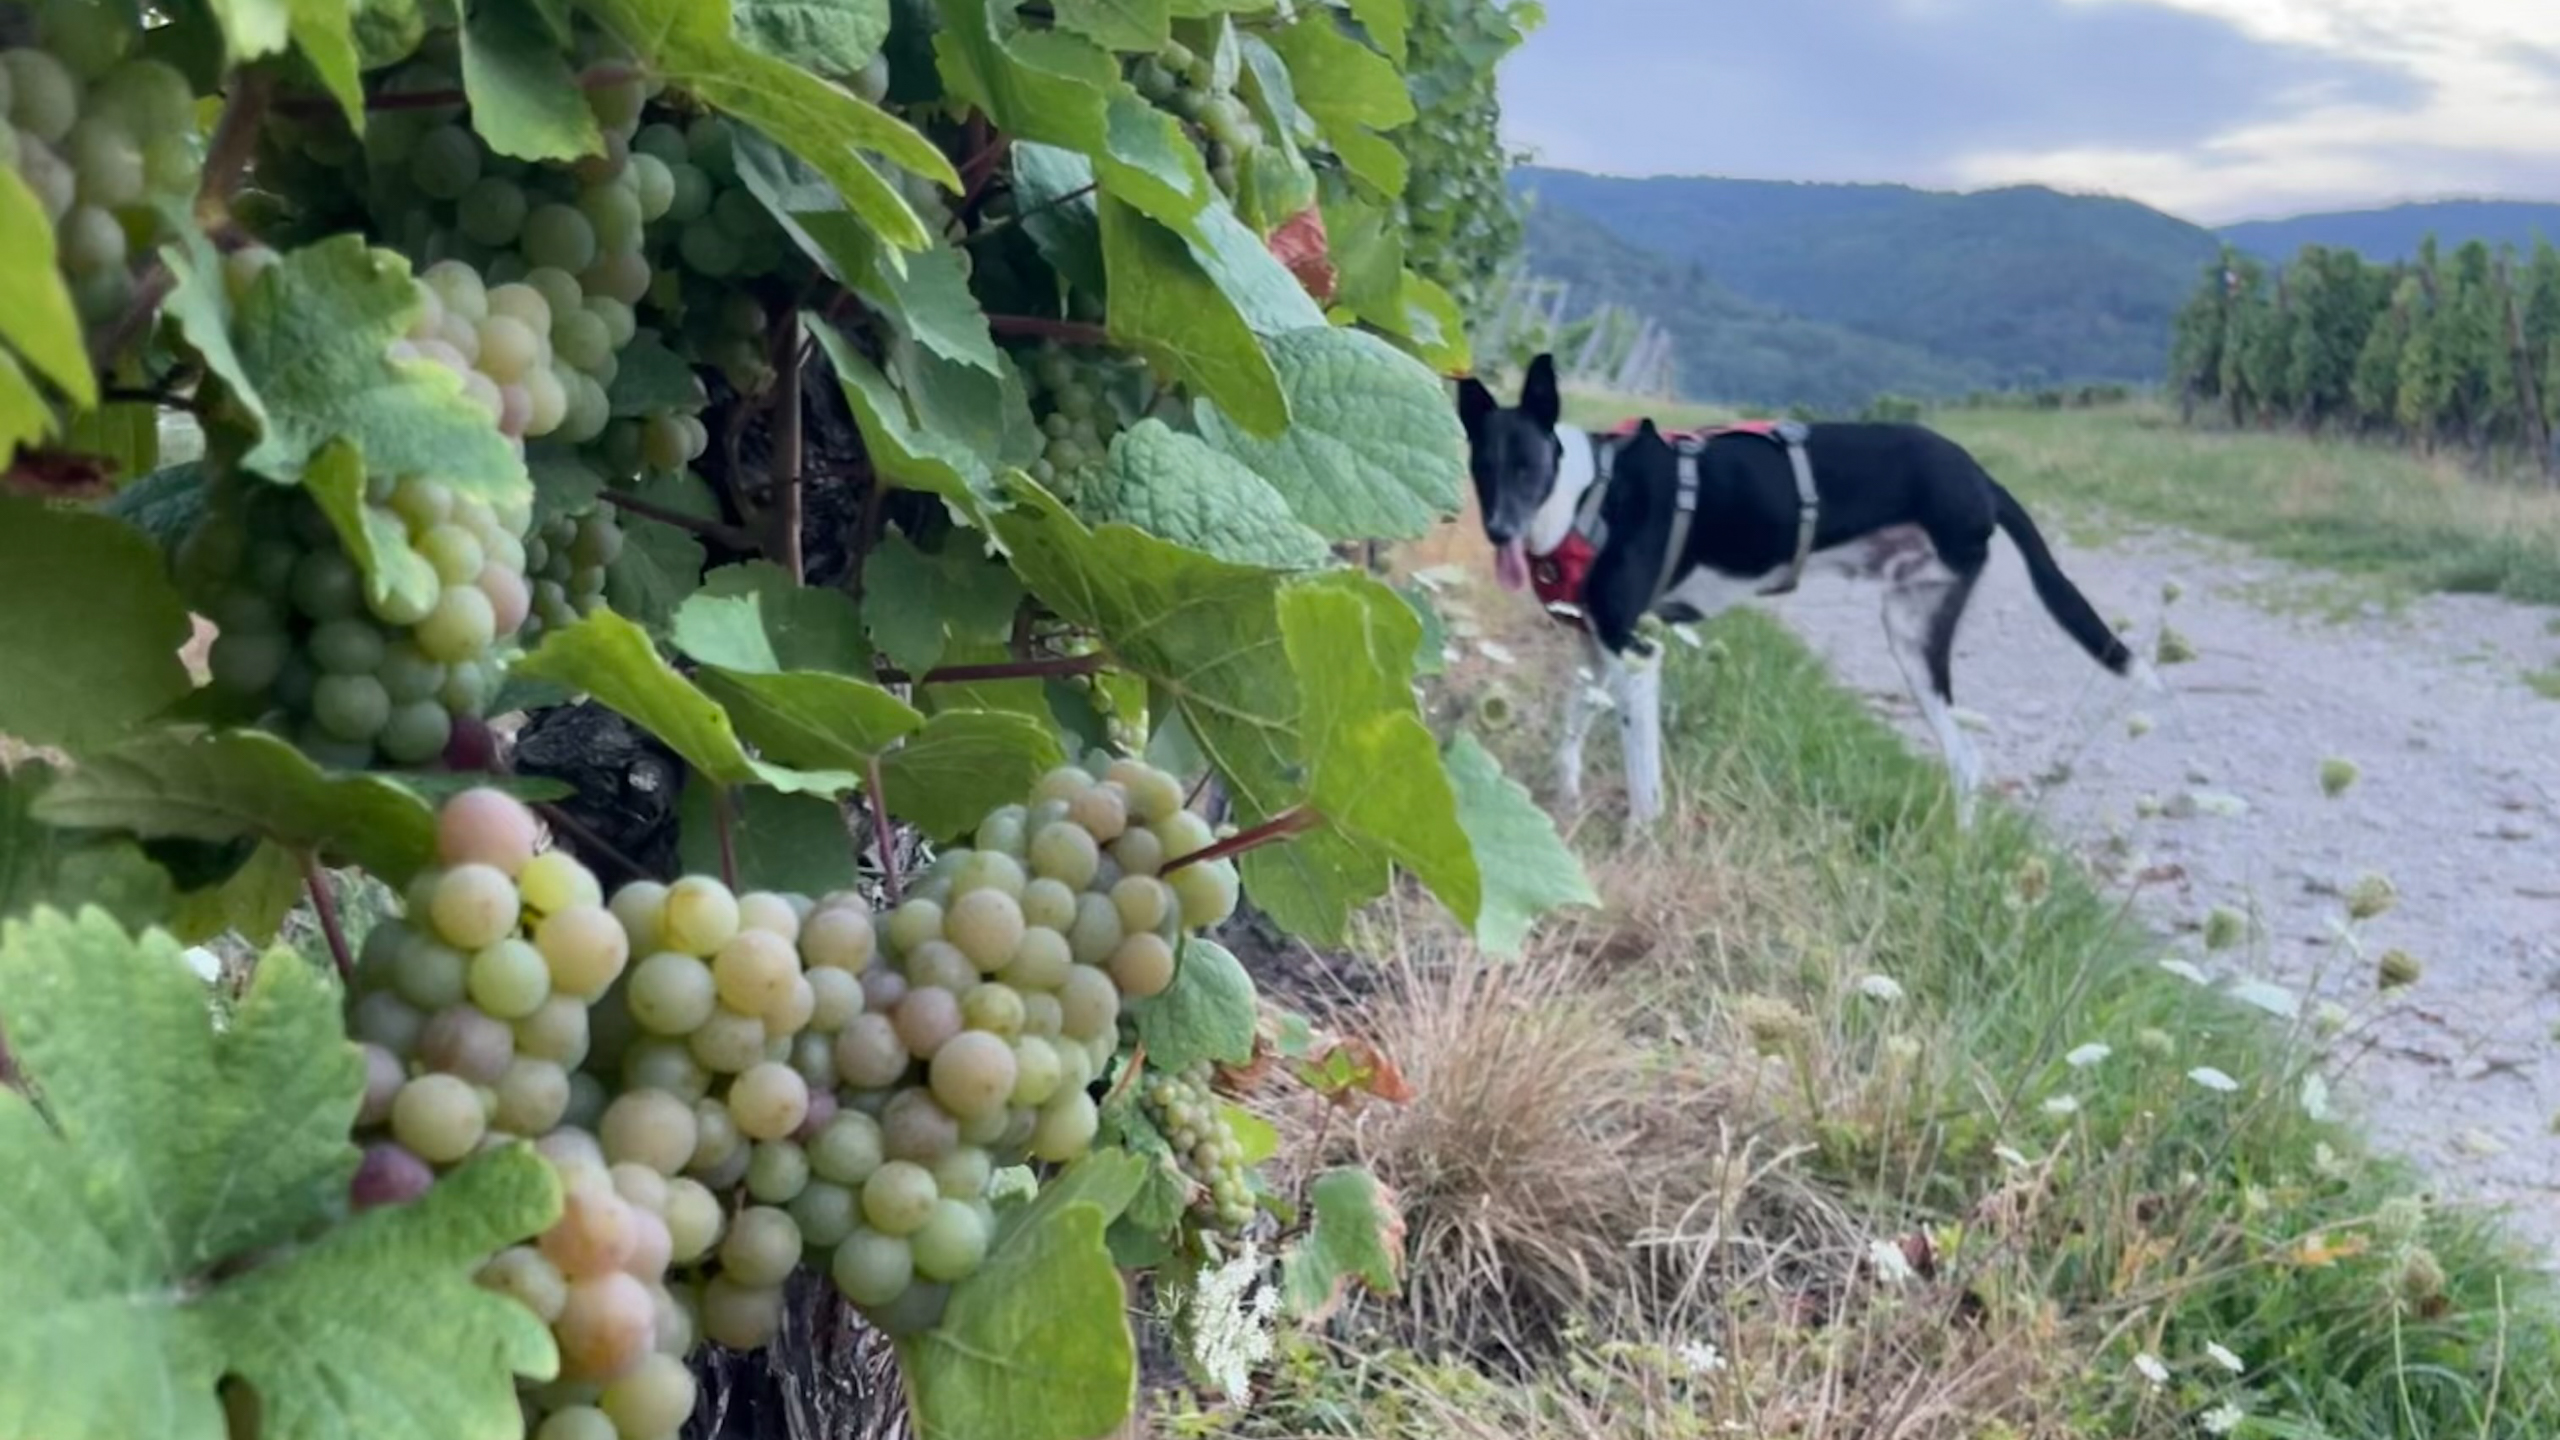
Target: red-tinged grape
(595, 1234)
(604, 1326)
(388, 1175)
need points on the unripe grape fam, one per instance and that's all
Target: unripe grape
(672, 994)
(739, 1316)
(438, 1118)
(701, 916)
(952, 1243)
(762, 1248)
(604, 1326)
(768, 1101)
(651, 1128)
(521, 1274)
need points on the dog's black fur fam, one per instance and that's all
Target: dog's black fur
(1873, 479)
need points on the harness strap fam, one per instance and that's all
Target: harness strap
(1808, 504)
(1683, 510)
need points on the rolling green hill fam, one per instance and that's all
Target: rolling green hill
(2393, 233)
(1729, 348)
(2026, 286)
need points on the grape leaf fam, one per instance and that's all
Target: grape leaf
(1140, 27)
(810, 718)
(36, 315)
(835, 37)
(310, 339)
(1208, 1014)
(1374, 771)
(164, 504)
(1203, 9)
(1387, 22)
(174, 1145)
(1357, 1235)
(1056, 88)
(610, 658)
(324, 29)
(926, 295)
(1036, 1344)
(917, 603)
(964, 763)
(1373, 449)
(1527, 868)
(1353, 92)
(251, 902)
(89, 626)
(1271, 300)
(125, 434)
(1172, 485)
(942, 427)
(1138, 1236)
(1053, 192)
(791, 843)
(1163, 304)
(24, 415)
(751, 617)
(690, 44)
(524, 100)
(563, 482)
(45, 864)
(1428, 316)
(375, 538)
(660, 564)
(1368, 253)
(648, 377)
(226, 785)
(1204, 634)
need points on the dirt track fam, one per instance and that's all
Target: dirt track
(2221, 805)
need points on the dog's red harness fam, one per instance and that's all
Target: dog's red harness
(1558, 576)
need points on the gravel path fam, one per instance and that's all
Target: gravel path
(2221, 805)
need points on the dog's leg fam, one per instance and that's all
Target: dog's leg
(1920, 616)
(1639, 693)
(1580, 708)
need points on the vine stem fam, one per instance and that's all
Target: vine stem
(881, 835)
(1070, 332)
(325, 905)
(788, 454)
(1057, 667)
(998, 227)
(724, 822)
(589, 842)
(234, 145)
(1294, 821)
(728, 535)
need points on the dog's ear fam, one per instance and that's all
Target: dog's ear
(1538, 397)
(1474, 403)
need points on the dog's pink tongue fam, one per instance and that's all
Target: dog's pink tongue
(1511, 565)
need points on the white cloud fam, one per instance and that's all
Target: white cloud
(2485, 118)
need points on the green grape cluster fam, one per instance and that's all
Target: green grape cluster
(351, 671)
(105, 140)
(1205, 1153)
(566, 560)
(1079, 396)
(1218, 120)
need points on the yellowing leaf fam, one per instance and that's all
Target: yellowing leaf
(35, 307)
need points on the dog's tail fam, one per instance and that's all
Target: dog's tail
(2069, 608)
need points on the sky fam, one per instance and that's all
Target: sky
(2216, 110)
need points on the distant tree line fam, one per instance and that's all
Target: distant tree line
(2457, 351)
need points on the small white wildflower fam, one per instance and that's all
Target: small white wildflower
(1226, 1333)
(2272, 998)
(1688, 637)
(1497, 652)
(2011, 1156)
(2315, 1096)
(2088, 1055)
(2223, 1357)
(2212, 1079)
(1699, 1357)
(206, 964)
(2186, 970)
(1892, 1266)
(1880, 987)
(2062, 1105)
(2151, 1368)
(2222, 1419)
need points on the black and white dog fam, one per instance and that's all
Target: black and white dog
(1611, 527)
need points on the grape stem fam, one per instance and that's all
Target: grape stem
(589, 842)
(724, 823)
(881, 835)
(1068, 332)
(729, 536)
(1053, 202)
(1293, 821)
(324, 903)
(1055, 667)
(234, 145)
(787, 452)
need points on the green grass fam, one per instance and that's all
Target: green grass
(2347, 1349)
(2148, 1213)
(2357, 508)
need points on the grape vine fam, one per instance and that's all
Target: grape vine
(914, 436)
